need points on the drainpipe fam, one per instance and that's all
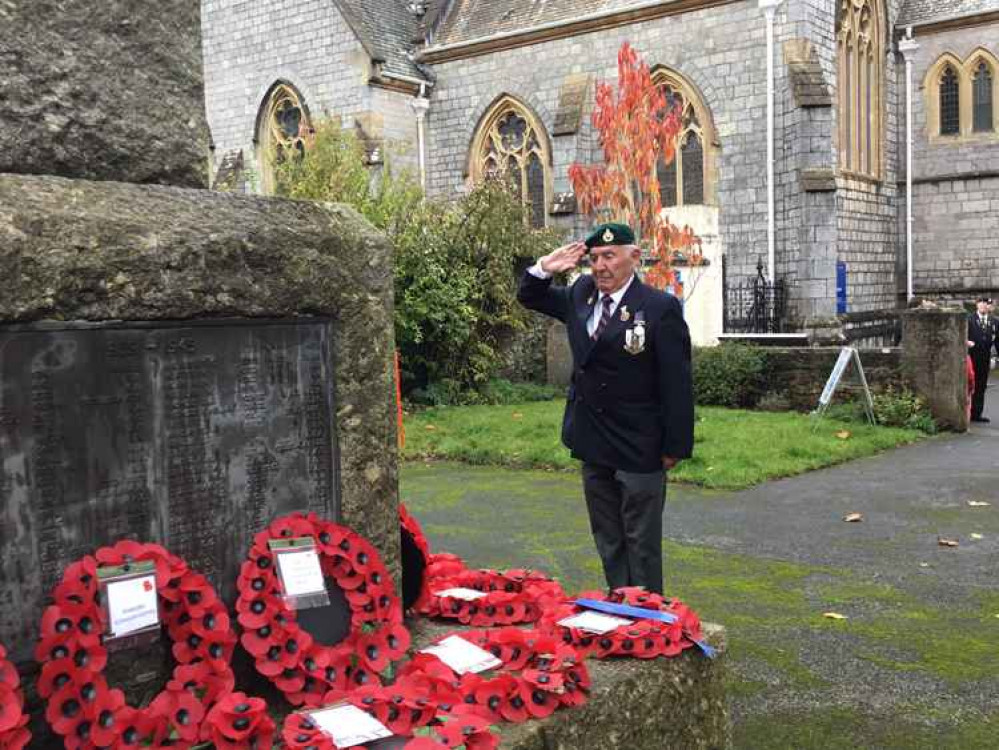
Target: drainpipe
(420, 105)
(908, 47)
(770, 9)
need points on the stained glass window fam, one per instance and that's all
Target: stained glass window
(511, 146)
(981, 98)
(950, 102)
(284, 126)
(682, 181)
(860, 54)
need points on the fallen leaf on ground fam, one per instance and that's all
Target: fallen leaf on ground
(978, 504)
(853, 517)
(430, 427)
(844, 434)
(976, 537)
(834, 615)
(924, 565)
(518, 415)
(943, 542)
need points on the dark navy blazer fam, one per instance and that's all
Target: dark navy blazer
(623, 410)
(985, 337)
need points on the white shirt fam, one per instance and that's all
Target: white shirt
(598, 308)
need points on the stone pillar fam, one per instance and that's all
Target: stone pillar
(934, 352)
(559, 356)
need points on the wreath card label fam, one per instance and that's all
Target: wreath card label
(466, 595)
(299, 572)
(347, 725)
(131, 604)
(463, 657)
(594, 622)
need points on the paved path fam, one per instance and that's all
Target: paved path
(908, 497)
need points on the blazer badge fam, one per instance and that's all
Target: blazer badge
(634, 337)
(625, 315)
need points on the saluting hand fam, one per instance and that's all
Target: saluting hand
(564, 258)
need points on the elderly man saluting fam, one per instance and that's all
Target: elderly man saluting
(629, 416)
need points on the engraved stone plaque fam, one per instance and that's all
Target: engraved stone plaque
(193, 435)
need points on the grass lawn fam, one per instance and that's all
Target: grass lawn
(733, 448)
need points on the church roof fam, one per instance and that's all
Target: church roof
(923, 11)
(472, 19)
(387, 29)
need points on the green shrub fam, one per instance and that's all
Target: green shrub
(903, 408)
(455, 286)
(729, 375)
(494, 392)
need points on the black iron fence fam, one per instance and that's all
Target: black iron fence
(755, 305)
(875, 329)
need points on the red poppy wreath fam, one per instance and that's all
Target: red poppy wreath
(643, 638)
(537, 674)
(81, 706)
(411, 708)
(483, 598)
(13, 732)
(305, 671)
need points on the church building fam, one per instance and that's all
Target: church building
(801, 118)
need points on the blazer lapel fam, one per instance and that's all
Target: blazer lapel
(632, 300)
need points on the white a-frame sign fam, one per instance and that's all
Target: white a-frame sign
(846, 355)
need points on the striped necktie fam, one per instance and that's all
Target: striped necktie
(605, 316)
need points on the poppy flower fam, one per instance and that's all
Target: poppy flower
(184, 711)
(260, 611)
(66, 709)
(461, 727)
(492, 693)
(238, 721)
(79, 581)
(210, 683)
(300, 732)
(552, 682)
(423, 743)
(372, 652)
(105, 714)
(395, 640)
(11, 709)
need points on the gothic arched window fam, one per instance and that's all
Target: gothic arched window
(961, 97)
(688, 179)
(950, 102)
(283, 125)
(860, 43)
(511, 143)
(982, 98)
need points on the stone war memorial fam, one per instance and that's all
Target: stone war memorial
(181, 371)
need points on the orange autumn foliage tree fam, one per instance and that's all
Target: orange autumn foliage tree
(637, 127)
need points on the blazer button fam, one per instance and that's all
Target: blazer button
(600, 410)
(603, 385)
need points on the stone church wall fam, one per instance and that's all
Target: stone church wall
(722, 51)
(250, 46)
(955, 186)
(867, 232)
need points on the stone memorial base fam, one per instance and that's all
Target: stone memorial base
(655, 704)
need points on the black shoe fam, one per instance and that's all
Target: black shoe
(980, 419)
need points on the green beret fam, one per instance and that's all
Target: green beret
(610, 234)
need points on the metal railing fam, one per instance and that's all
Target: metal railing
(755, 305)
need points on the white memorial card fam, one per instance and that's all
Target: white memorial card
(468, 595)
(463, 657)
(594, 622)
(301, 573)
(132, 605)
(348, 725)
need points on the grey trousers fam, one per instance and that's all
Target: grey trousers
(626, 517)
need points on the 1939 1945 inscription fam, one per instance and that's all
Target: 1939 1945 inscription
(191, 435)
